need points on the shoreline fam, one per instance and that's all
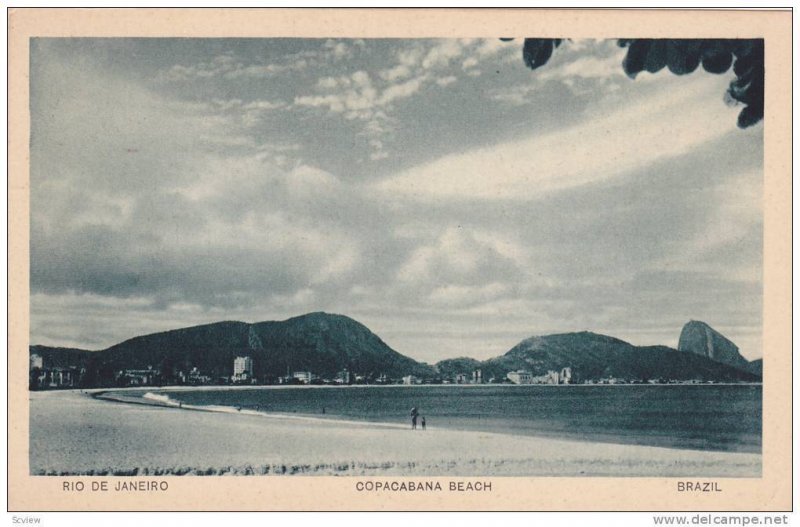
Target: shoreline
(213, 408)
(166, 401)
(228, 387)
(75, 433)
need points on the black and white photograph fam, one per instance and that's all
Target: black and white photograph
(402, 257)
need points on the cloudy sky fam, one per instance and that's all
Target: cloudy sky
(438, 191)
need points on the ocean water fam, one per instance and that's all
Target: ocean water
(705, 417)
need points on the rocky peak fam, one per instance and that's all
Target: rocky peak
(700, 338)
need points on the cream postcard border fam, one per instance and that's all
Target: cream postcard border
(772, 491)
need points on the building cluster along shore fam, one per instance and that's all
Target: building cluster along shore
(43, 377)
(329, 349)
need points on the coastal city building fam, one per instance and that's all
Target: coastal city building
(520, 377)
(410, 379)
(58, 378)
(37, 361)
(305, 377)
(242, 369)
(194, 377)
(551, 377)
(343, 377)
(564, 376)
(145, 377)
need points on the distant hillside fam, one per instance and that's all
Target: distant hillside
(61, 357)
(756, 367)
(449, 368)
(593, 357)
(326, 344)
(318, 342)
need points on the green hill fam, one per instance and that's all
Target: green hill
(756, 367)
(61, 357)
(449, 368)
(318, 342)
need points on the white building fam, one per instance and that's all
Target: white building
(242, 369)
(304, 377)
(37, 361)
(410, 379)
(137, 377)
(551, 377)
(520, 377)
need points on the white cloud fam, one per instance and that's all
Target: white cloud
(305, 181)
(470, 62)
(457, 257)
(342, 49)
(493, 46)
(401, 91)
(441, 53)
(399, 72)
(418, 64)
(571, 66)
(334, 102)
(263, 105)
(587, 67)
(517, 95)
(666, 124)
(352, 94)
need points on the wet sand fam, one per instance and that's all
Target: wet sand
(74, 433)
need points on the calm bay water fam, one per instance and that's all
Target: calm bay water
(711, 417)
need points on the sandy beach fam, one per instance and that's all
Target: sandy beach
(74, 433)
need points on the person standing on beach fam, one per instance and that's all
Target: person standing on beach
(414, 414)
(423, 422)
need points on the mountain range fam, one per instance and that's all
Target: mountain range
(326, 344)
(593, 357)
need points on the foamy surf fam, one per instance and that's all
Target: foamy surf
(164, 399)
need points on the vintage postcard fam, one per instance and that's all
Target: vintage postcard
(399, 260)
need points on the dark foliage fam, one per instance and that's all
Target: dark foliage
(537, 51)
(683, 56)
(326, 344)
(593, 357)
(318, 342)
(449, 368)
(756, 367)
